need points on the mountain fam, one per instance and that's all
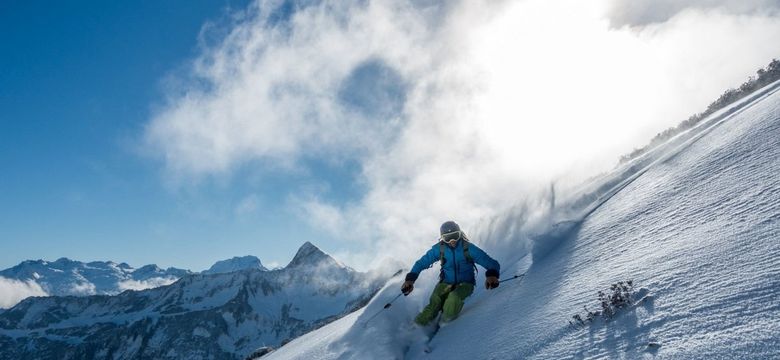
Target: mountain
(235, 264)
(65, 277)
(310, 257)
(215, 316)
(68, 277)
(695, 222)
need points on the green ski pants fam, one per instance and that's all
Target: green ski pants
(446, 298)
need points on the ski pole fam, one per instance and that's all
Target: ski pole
(512, 278)
(385, 307)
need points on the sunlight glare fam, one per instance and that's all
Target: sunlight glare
(556, 92)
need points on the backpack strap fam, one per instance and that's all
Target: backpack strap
(442, 260)
(466, 253)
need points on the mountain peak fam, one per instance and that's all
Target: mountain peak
(310, 255)
(308, 246)
(235, 263)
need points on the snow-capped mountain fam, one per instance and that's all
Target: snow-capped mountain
(70, 277)
(216, 316)
(235, 264)
(696, 222)
(65, 277)
(310, 259)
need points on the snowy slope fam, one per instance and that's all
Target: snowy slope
(696, 222)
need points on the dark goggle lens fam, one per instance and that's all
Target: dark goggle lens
(455, 235)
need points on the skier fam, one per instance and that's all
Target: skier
(456, 280)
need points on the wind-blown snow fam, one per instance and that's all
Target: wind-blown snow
(696, 222)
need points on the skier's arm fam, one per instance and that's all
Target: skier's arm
(423, 263)
(487, 262)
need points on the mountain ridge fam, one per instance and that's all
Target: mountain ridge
(235, 263)
(223, 315)
(67, 277)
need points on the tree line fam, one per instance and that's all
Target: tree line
(763, 77)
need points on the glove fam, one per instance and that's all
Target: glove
(491, 282)
(407, 287)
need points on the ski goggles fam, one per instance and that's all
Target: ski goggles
(451, 238)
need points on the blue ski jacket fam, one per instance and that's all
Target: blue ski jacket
(456, 269)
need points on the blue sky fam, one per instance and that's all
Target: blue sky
(181, 133)
(78, 85)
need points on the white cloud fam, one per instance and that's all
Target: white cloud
(500, 99)
(644, 12)
(82, 288)
(272, 93)
(13, 291)
(247, 205)
(145, 284)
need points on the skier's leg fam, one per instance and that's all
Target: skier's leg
(454, 303)
(434, 306)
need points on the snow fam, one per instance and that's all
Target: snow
(238, 311)
(695, 222)
(135, 344)
(68, 277)
(226, 343)
(235, 264)
(199, 331)
(150, 283)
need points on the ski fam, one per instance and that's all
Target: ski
(427, 347)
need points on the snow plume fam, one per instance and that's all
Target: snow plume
(13, 291)
(453, 110)
(145, 284)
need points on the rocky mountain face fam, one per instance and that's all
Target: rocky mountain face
(69, 277)
(235, 264)
(215, 316)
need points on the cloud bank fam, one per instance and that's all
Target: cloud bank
(83, 288)
(13, 291)
(639, 13)
(454, 110)
(280, 92)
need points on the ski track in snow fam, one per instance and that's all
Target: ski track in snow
(698, 225)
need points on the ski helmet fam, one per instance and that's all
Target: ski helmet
(449, 227)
